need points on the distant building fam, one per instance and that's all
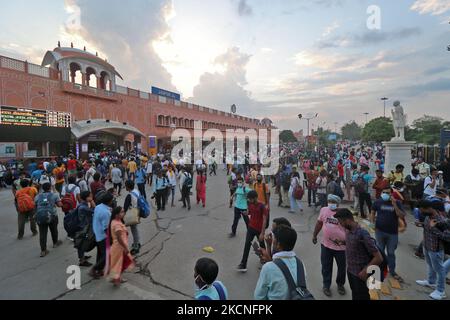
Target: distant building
(299, 136)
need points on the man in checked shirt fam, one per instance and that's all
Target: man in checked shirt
(436, 235)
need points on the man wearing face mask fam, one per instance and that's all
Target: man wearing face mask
(385, 214)
(206, 286)
(332, 249)
(241, 206)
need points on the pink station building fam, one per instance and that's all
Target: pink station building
(72, 102)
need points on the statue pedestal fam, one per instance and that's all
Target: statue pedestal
(398, 152)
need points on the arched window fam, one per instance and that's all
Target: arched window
(191, 125)
(160, 120)
(167, 123)
(91, 77)
(105, 81)
(75, 73)
(181, 122)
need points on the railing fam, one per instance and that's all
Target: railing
(75, 87)
(33, 69)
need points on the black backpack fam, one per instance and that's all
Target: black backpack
(296, 291)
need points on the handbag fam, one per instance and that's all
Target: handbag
(132, 217)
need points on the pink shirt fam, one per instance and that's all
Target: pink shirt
(331, 229)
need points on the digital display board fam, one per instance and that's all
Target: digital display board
(30, 125)
(12, 116)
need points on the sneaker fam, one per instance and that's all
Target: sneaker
(35, 233)
(232, 235)
(437, 295)
(57, 244)
(327, 292)
(425, 283)
(341, 290)
(20, 238)
(241, 268)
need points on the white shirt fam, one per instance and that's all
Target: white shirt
(90, 175)
(428, 189)
(149, 167)
(172, 178)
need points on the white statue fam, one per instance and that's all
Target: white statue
(399, 118)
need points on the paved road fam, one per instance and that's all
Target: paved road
(172, 242)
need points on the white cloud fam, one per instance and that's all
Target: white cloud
(433, 7)
(330, 29)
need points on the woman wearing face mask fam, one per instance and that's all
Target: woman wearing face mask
(331, 247)
(206, 286)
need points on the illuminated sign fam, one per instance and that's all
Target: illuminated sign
(12, 116)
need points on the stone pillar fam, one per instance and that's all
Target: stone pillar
(72, 76)
(83, 79)
(99, 83)
(398, 152)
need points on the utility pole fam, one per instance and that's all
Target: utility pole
(308, 118)
(384, 100)
(367, 114)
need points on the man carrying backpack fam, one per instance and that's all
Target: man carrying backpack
(362, 181)
(59, 173)
(25, 205)
(207, 288)
(285, 185)
(47, 217)
(159, 190)
(276, 280)
(70, 195)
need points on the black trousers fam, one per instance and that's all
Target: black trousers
(21, 220)
(101, 256)
(141, 187)
(186, 197)
(360, 291)
(43, 231)
(118, 186)
(160, 199)
(238, 213)
(364, 198)
(327, 258)
(251, 234)
(212, 170)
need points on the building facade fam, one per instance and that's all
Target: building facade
(103, 114)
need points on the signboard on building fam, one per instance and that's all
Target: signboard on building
(152, 145)
(30, 154)
(7, 150)
(165, 93)
(332, 137)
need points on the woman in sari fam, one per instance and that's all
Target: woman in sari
(120, 258)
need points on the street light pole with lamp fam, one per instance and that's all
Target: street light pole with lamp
(384, 100)
(308, 118)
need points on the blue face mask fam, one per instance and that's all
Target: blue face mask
(385, 197)
(333, 206)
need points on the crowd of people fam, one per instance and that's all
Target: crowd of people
(346, 185)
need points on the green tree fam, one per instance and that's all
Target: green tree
(287, 136)
(352, 131)
(427, 130)
(378, 130)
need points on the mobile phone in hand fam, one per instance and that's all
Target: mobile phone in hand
(256, 248)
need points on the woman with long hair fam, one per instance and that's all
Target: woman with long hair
(119, 255)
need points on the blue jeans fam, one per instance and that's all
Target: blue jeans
(436, 268)
(388, 244)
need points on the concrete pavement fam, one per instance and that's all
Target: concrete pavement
(172, 241)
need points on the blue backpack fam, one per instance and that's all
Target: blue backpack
(220, 291)
(143, 206)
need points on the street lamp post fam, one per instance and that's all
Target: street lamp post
(384, 100)
(366, 114)
(308, 118)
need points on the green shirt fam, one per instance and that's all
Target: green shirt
(241, 198)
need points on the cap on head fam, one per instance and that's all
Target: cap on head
(334, 199)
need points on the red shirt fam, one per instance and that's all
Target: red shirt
(72, 164)
(340, 169)
(257, 212)
(96, 187)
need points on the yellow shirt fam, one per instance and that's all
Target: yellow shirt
(55, 173)
(396, 177)
(132, 166)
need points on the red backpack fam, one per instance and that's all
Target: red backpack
(25, 202)
(68, 201)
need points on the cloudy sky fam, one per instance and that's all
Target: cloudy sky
(272, 59)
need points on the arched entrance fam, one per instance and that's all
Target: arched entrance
(93, 136)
